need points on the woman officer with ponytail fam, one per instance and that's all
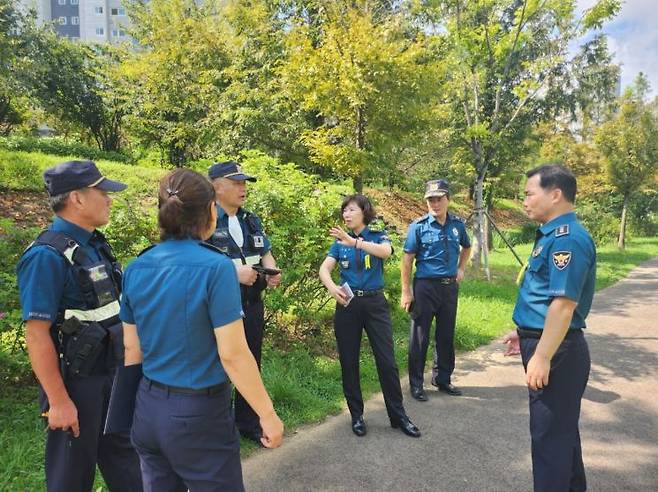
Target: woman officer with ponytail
(181, 308)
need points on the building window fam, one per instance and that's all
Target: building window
(122, 33)
(75, 21)
(115, 33)
(98, 10)
(61, 2)
(100, 31)
(119, 11)
(62, 21)
(75, 2)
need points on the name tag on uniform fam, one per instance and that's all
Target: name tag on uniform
(97, 273)
(259, 242)
(345, 263)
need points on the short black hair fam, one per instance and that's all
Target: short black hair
(364, 203)
(552, 176)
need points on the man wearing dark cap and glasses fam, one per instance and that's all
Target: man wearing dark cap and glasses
(439, 243)
(69, 283)
(240, 235)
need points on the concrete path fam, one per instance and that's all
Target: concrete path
(480, 442)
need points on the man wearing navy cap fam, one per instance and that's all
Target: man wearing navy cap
(439, 243)
(240, 235)
(69, 283)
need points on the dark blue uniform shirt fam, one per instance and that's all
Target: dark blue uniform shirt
(436, 246)
(562, 264)
(361, 271)
(177, 293)
(45, 279)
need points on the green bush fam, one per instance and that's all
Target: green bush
(61, 147)
(19, 172)
(517, 235)
(13, 241)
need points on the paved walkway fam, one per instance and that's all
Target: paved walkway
(480, 442)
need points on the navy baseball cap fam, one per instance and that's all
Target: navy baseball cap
(228, 169)
(436, 187)
(75, 175)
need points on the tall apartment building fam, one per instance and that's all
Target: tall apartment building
(97, 21)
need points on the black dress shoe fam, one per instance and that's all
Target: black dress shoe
(359, 427)
(406, 426)
(418, 394)
(449, 388)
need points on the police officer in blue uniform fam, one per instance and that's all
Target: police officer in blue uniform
(69, 283)
(439, 243)
(361, 254)
(181, 308)
(239, 234)
(554, 299)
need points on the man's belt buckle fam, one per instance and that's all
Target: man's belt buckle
(359, 293)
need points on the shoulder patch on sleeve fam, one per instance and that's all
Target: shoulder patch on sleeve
(561, 259)
(562, 230)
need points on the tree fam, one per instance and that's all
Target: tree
(504, 55)
(630, 144)
(176, 74)
(70, 81)
(367, 79)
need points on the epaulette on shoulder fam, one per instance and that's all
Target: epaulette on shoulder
(146, 249)
(211, 247)
(420, 219)
(562, 230)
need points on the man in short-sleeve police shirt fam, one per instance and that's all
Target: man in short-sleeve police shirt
(240, 235)
(69, 283)
(554, 299)
(440, 245)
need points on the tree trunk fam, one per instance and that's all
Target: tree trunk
(357, 183)
(480, 251)
(360, 141)
(621, 242)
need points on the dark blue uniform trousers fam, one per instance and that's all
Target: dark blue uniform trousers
(71, 462)
(372, 314)
(557, 462)
(433, 300)
(186, 441)
(246, 419)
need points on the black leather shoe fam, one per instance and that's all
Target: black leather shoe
(418, 394)
(359, 427)
(449, 388)
(406, 426)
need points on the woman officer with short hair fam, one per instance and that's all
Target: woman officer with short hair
(181, 307)
(361, 254)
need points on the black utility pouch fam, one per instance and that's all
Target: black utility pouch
(84, 347)
(116, 341)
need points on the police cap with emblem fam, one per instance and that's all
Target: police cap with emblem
(230, 170)
(436, 187)
(75, 175)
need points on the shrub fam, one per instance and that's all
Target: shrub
(61, 147)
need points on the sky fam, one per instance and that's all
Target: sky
(633, 39)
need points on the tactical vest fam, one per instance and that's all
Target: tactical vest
(83, 335)
(251, 252)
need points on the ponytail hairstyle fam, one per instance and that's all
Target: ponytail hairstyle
(184, 205)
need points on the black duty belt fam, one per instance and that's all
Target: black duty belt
(367, 293)
(210, 390)
(444, 280)
(532, 333)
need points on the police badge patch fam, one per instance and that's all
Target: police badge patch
(561, 259)
(455, 232)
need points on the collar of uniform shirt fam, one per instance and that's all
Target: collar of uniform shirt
(80, 235)
(221, 213)
(550, 226)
